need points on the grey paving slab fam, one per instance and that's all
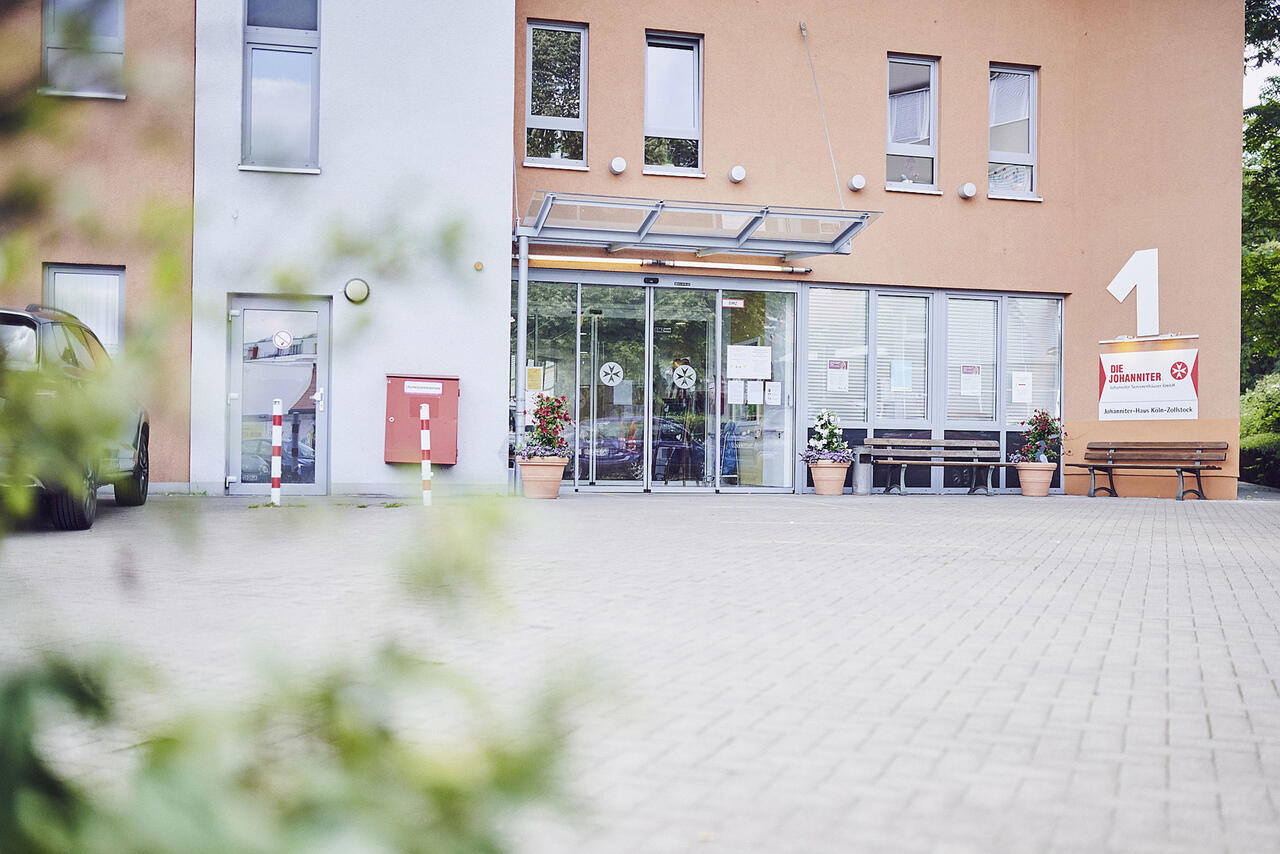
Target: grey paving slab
(764, 673)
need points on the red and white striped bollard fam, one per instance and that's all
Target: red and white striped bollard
(277, 435)
(424, 422)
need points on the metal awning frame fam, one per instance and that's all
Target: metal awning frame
(538, 231)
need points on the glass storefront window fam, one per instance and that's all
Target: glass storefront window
(971, 359)
(1032, 379)
(837, 369)
(902, 364)
(550, 348)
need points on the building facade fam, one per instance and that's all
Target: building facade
(110, 161)
(731, 217)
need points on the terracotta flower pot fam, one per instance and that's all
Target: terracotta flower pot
(542, 475)
(828, 476)
(1035, 478)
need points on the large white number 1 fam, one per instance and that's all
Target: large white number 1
(1141, 271)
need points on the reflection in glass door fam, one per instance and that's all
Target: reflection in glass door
(279, 349)
(682, 449)
(611, 386)
(758, 401)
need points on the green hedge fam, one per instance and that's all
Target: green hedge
(1260, 407)
(1260, 459)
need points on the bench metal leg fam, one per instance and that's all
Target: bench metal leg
(901, 485)
(1182, 490)
(974, 485)
(1093, 483)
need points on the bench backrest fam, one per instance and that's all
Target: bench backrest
(919, 449)
(1132, 452)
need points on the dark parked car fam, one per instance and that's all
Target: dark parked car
(56, 361)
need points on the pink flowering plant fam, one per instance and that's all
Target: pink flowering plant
(1040, 432)
(547, 439)
(827, 445)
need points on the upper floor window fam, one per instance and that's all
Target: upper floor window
(672, 104)
(555, 97)
(912, 146)
(280, 128)
(83, 48)
(1011, 167)
(93, 294)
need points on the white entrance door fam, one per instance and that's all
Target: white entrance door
(279, 348)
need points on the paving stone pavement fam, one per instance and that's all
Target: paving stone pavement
(767, 673)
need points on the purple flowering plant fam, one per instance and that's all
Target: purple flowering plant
(1040, 427)
(547, 438)
(827, 445)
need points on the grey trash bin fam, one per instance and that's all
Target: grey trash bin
(861, 470)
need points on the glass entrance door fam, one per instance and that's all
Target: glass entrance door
(279, 349)
(757, 405)
(682, 437)
(611, 386)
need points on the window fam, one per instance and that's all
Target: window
(672, 104)
(1011, 108)
(912, 147)
(902, 357)
(555, 103)
(93, 294)
(838, 353)
(1032, 377)
(280, 125)
(971, 359)
(84, 48)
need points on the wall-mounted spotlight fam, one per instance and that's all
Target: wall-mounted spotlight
(356, 290)
(737, 174)
(857, 182)
(618, 165)
(967, 190)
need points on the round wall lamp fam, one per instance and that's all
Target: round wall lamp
(968, 190)
(737, 174)
(857, 182)
(356, 291)
(618, 165)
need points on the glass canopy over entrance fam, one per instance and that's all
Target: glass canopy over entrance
(704, 228)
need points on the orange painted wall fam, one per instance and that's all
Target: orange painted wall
(1138, 137)
(122, 173)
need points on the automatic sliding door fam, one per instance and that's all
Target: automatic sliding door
(611, 391)
(684, 361)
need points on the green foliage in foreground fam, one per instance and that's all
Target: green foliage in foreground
(318, 765)
(1260, 459)
(1260, 407)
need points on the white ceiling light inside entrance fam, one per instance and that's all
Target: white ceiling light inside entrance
(703, 228)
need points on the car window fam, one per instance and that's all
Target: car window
(96, 350)
(58, 351)
(83, 358)
(17, 343)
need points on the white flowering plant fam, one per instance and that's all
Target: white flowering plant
(827, 444)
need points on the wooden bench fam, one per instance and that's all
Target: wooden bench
(974, 454)
(1146, 456)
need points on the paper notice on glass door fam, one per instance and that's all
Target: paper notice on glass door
(1021, 386)
(623, 394)
(837, 374)
(748, 362)
(971, 380)
(736, 391)
(900, 375)
(755, 391)
(773, 394)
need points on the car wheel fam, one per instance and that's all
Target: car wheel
(75, 509)
(132, 491)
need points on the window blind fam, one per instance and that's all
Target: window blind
(971, 359)
(838, 334)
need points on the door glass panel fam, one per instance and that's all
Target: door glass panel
(684, 335)
(550, 348)
(612, 385)
(278, 360)
(971, 359)
(757, 417)
(1032, 380)
(902, 365)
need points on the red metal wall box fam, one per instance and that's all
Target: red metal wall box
(405, 392)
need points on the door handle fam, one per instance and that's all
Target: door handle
(318, 397)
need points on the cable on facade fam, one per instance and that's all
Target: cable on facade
(804, 31)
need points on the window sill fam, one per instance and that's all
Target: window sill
(901, 188)
(1014, 198)
(672, 173)
(62, 93)
(288, 170)
(569, 167)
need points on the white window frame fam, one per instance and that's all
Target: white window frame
(652, 38)
(53, 38)
(536, 122)
(286, 40)
(929, 150)
(51, 294)
(1017, 158)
